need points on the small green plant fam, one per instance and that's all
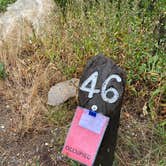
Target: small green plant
(162, 163)
(74, 163)
(4, 4)
(3, 74)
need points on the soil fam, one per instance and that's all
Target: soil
(18, 150)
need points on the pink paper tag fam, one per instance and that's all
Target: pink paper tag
(85, 136)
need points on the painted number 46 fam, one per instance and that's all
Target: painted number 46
(92, 80)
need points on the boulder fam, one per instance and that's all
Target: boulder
(22, 20)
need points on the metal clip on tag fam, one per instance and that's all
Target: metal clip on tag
(93, 111)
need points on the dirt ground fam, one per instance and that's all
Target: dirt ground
(30, 148)
(17, 149)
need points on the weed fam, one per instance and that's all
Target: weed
(3, 73)
(4, 4)
(74, 163)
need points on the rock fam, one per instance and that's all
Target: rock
(62, 91)
(22, 20)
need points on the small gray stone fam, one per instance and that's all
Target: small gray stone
(62, 91)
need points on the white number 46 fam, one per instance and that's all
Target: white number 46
(92, 80)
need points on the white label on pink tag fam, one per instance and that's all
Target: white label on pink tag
(94, 124)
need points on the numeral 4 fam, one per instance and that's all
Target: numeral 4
(91, 81)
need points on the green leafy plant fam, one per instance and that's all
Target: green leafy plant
(4, 4)
(3, 73)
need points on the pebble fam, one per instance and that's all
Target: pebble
(7, 106)
(46, 144)
(2, 126)
(62, 91)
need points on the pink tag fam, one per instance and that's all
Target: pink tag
(84, 138)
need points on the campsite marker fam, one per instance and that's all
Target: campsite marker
(93, 132)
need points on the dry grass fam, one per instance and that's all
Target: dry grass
(29, 78)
